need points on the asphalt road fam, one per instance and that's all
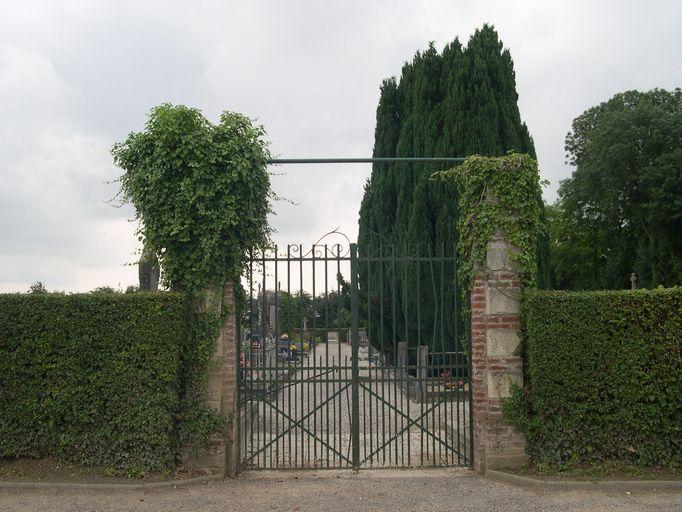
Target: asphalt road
(342, 491)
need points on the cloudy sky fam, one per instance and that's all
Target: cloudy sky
(78, 75)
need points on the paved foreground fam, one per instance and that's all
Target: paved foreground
(341, 491)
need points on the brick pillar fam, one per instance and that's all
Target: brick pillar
(221, 454)
(496, 359)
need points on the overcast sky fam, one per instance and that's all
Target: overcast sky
(77, 76)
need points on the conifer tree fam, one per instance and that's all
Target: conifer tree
(456, 103)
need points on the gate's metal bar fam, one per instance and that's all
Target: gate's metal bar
(431, 367)
(405, 373)
(299, 423)
(439, 371)
(240, 432)
(289, 333)
(458, 362)
(355, 419)
(335, 424)
(326, 352)
(420, 370)
(300, 337)
(279, 161)
(471, 393)
(410, 423)
(369, 335)
(294, 383)
(278, 327)
(251, 331)
(261, 361)
(312, 348)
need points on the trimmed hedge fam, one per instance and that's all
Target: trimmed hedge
(92, 379)
(604, 376)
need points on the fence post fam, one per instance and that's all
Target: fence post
(355, 343)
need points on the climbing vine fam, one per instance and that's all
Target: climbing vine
(497, 193)
(201, 193)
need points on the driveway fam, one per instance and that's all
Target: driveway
(341, 491)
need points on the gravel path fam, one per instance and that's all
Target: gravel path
(395, 431)
(342, 491)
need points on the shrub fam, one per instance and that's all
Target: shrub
(604, 377)
(92, 379)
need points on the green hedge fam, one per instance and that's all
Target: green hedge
(92, 379)
(604, 376)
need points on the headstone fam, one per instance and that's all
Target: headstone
(148, 271)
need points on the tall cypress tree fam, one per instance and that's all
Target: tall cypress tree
(456, 103)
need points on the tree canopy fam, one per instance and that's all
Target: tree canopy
(621, 210)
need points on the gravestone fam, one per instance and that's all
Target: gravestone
(148, 271)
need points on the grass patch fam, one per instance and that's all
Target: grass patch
(612, 470)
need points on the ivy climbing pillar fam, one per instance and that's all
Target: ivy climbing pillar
(220, 456)
(499, 222)
(495, 357)
(201, 193)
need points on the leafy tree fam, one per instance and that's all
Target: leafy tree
(38, 287)
(621, 210)
(329, 310)
(294, 307)
(460, 102)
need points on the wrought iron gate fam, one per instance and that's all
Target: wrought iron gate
(353, 358)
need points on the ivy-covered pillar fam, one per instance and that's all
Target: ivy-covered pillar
(500, 212)
(201, 192)
(220, 455)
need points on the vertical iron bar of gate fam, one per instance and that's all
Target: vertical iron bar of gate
(338, 425)
(247, 369)
(303, 388)
(311, 348)
(459, 361)
(240, 394)
(446, 363)
(406, 370)
(278, 327)
(290, 333)
(355, 417)
(368, 332)
(326, 349)
(471, 395)
(260, 357)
